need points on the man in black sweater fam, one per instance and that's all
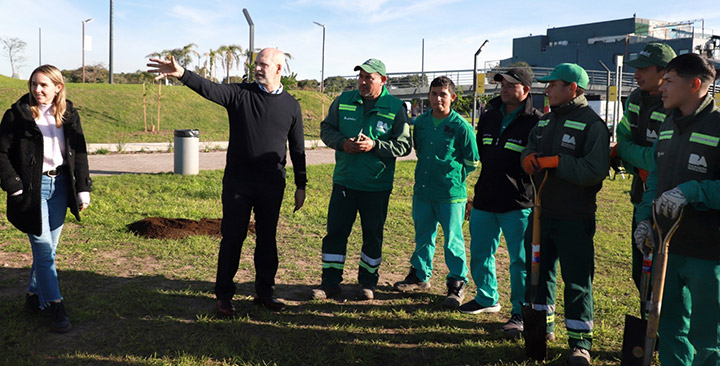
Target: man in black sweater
(263, 119)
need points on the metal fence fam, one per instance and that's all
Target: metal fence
(399, 80)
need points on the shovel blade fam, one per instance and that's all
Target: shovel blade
(534, 332)
(633, 341)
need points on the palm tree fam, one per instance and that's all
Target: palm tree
(230, 56)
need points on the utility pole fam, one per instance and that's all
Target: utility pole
(83, 47)
(475, 86)
(251, 73)
(322, 72)
(39, 46)
(607, 93)
(111, 42)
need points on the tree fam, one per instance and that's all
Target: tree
(337, 84)
(183, 56)
(230, 56)
(14, 47)
(308, 84)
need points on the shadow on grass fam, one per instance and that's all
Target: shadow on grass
(160, 320)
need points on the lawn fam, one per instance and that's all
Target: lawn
(143, 301)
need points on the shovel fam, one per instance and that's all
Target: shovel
(634, 334)
(535, 321)
(639, 346)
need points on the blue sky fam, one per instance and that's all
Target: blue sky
(356, 30)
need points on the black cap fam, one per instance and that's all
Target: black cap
(516, 75)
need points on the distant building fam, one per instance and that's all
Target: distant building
(586, 44)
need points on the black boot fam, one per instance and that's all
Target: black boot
(60, 321)
(32, 303)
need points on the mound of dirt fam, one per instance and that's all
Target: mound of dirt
(164, 228)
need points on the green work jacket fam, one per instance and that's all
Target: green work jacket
(386, 123)
(446, 154)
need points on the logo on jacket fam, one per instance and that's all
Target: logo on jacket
(568, 142)
(382, 127)
(346, 118)
(697, 163)
(650, 135)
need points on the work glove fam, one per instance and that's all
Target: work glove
(642, 232)
(670, 203)
(548, 162)
(530, 163)
(613, 151)
(643, 174)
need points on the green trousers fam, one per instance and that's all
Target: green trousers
(571, 243)
(345, 204)
(689, 330)
(426, 216)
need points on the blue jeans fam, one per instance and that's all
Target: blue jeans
(53, 207)
(485, 230)
(427, 215)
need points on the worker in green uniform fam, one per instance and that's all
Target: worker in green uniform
(368, 128)
(638, 129)
(687, 174)
(572, 143)
(447, 152)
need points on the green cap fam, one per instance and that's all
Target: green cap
(654, 54)
(372, 65)
(572, 73)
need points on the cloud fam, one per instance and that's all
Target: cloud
(194, 15)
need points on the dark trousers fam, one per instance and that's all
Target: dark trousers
(238, 199)
(571, 243)
(345, 204)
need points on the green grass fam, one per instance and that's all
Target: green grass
(114, 113)
(143, 301)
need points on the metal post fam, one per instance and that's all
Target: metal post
(422, 74)
(475, 86)
(618, 105)
(251, 73)
(607, 95)
(322, 72)
(111, 42)
(40, 46)
(83, 47)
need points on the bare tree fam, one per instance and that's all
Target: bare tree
(14, 47)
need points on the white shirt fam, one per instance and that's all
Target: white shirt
(53, 138)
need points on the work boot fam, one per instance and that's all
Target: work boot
(60, 322)
(579, 357)
(367, 292)
(411, 282)
(514, 326)
(473, 307)
(455, 294)
(325, 292)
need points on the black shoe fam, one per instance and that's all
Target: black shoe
(325, 292)
(32, 303)
(367, 292)
(455, 294)
(514, 326)
(411, 282)
(225, 307)
(270, 303)
(60, 321)
(472, 307)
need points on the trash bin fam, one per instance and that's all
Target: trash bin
(187, 152)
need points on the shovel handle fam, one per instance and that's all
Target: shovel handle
(535, 257)
(658, 288)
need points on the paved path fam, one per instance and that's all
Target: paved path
(138, 163)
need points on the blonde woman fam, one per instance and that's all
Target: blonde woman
(44, 170)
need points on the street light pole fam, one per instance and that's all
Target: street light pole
(111, 43)
(251, 73)
(83, 47)
(475, 82)
(322, 72)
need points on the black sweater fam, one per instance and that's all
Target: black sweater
(261, 124)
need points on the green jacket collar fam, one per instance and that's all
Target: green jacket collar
(579, 102)
(681, 120)
(382, 101)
